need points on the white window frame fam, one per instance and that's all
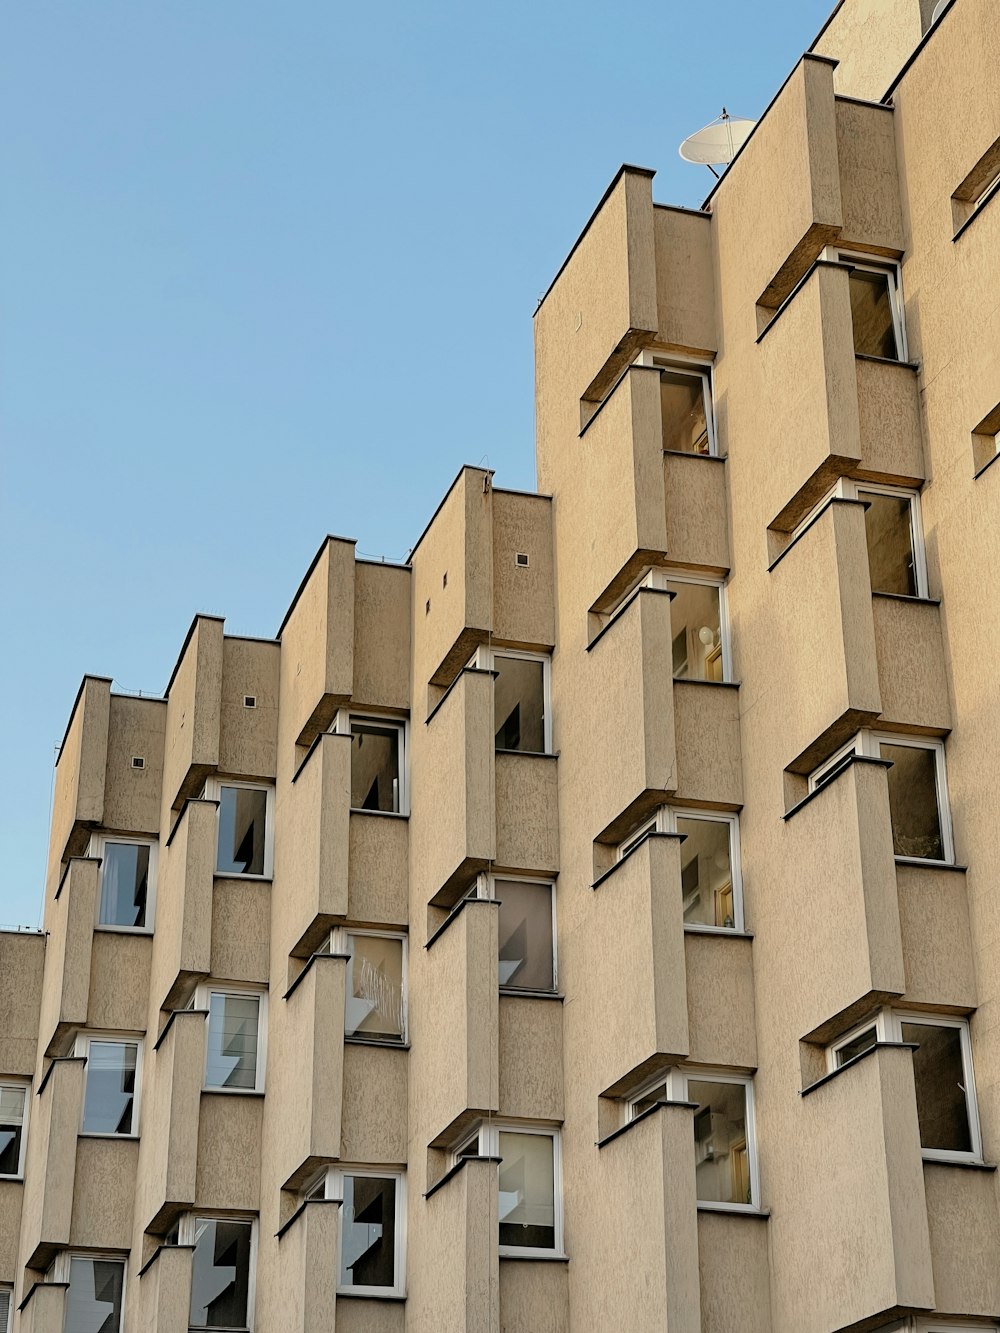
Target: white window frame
(665, 821)
(487, 1138)
(187, 1232)
(329, 1184)
(98, 842)
(213, 792)
(877, 264)
(340, 938)
(6, 1324)
(695, 369)
(22, 1085)
(81, 1047)
(887, 1023)
(943, 1326)
(484, 658)
(868, 743)
(341, 726)
(661, 577)
(676, 1080)
(202, 1000)
(59, 1270)
(485, 887)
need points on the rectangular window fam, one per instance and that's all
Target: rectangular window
(111, 1085)
(246, 819)
(13, 1139)
(519, 703)
(697, 619)
(221, 1271)
(711, 884)
(234, 1059)
(378, 761)
(95, 1297)
(127, 883)
(986, 440)
(372, 1230)
(376, 984)
(894, 535)
(876, 306)
(526, 931)
(686, 409)
(529, 1185)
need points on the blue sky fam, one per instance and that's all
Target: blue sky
(268, 272)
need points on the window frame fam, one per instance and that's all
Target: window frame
(23, 1085)
(887, 1023)
(338, 944)
(60, 1268)
(695, 369)
(341, 726)
(485, 888)
(81, 1047)
(484, 658)
(98, 842)
(664, 820)
(6, 1324)
(213, 792)
(187, 1226)
(866, 263)
(660, 577)
(331, 1180)
(486, 1136)
(202, 1000)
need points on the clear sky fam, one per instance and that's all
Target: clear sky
(268, 272)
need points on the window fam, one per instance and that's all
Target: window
(942, 1075)
(529, 1183)
(685, 405)
(13, 1138)
(876, 306)
(378, 761)
(234, 1059)
(222, 1270)
(246, 823)
(95, 1299)
(980, 185)
(127, 882)
(372, 1236)
(111, 1085)
(376, 983)
(918, 792)
(986, 440)
(6, 1308)
(522, 704)
(700, 647)
(711, 884)
(526, 932)
(894, 535)
(725, 1154)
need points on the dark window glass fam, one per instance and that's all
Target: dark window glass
(682, 410)
(913, 801)
(871, 311)
(109, 1100)
(519, 704)
(864, 1041)
(11, 1128)
(525, 935)
(242, 825)
(220, 1275)
(368, 1244)
(527, 1191)
(890, 543)
(94, 1298)
(939, 1076)
(232, 1041)
(651, 1098)
(374, 767)
(124, 884)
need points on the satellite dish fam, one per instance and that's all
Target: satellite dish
(718, 142)
(939, 9)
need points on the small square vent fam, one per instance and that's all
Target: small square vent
(249, 701)
(521, 560)
(138, 761)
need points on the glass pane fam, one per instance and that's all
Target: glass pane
(232, 1041)
(375, 988)
(527, 1191)
(242, 821)
(697, 631)
(871, 310)
(110, 1094)
(124, 884)
(648, 1099)
(220, 1274)
(525, 933)
(722, 1160)
(939, 1076)
(864, 1041)
(368, 1242)
(11, 1125)
(682, 409)
(890, 543)
(519, 704)
(374, 767)
(706, 872)
(94, 1298)
(913, 801)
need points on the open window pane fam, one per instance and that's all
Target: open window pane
(109, 1100)
(12, 1102)
(242, 829)
(374, 767)
(889, 531)
(696, 622)
(232, 1041)
(375, 988)
(368, 1240)
(707, 872)
(519, 704)
(913, 801)
(721, 1154)
(940, 1079)
(124, 884)
(682, 409)
(525, 933)
(94, 1298)
(864, 1041)
(527, 1191)
(220, 1274)
(871, 311)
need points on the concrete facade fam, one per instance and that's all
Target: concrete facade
(705, 709)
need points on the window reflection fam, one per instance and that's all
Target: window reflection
(242, 830)
(707, 872)
(696, 620)
(368, 1242)
(374, 766)
(519, 703)
(220, 1277)
(889, 534)
(525, 935)
(124, 884)
(872, 314)
(722, 1161)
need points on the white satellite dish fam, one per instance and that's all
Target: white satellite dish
(718, 142)
(939, 9)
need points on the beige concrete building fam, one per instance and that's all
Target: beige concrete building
(590, 924)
